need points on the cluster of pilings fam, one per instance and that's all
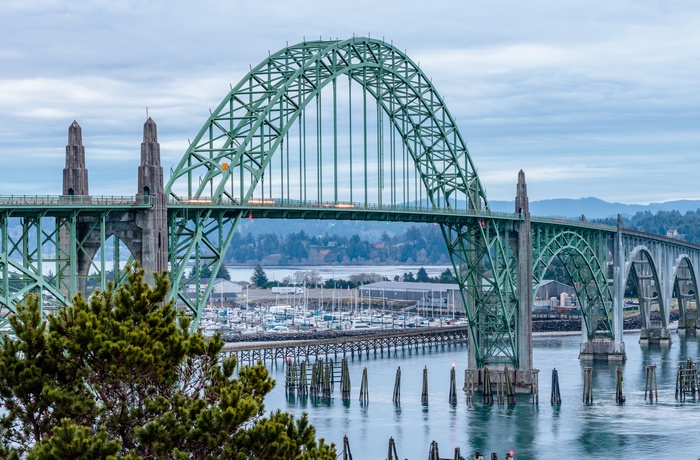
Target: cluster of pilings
(433, 452)
(318, 380)
(496, 385)
(687, 382)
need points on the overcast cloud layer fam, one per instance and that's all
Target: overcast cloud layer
(589, 98)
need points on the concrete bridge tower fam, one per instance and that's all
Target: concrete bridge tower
(75, 188)
(143, 231)
(152, 222)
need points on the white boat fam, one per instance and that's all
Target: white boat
(360, 325)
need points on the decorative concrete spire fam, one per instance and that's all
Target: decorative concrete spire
(521, 200)
(150, 171)
(75, 174)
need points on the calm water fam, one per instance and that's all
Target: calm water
(339, 272)
(602, 430)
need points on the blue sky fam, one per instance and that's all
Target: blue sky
(589, 98)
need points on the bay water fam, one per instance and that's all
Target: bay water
(639, 428)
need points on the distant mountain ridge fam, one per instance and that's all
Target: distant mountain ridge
(594, 208)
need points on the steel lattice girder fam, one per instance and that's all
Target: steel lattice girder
(486, 265)
(585, 254)
(43, 258)
(200, 236)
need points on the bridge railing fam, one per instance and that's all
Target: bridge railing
(338, 206)
(573, 223)
(73, 200)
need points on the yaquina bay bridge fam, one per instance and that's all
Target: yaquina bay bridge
(347, 130)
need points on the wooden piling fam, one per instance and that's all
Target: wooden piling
(347, 455)
(535, 386)
(619, 395)
(313, 387)
(487, 392)
(326, 384)
(302, 387)
(453, 387)
(288, 381)
(364, 387)
(556, 394)
(345, 380)
(510, 390)
(433, 452)
(397, 387)
(424, 392)
(499, 387)
(391, 454)
(588, 385)
(471, 377)
(651, 387)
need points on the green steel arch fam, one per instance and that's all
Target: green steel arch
(250, 124)
(584, 253)
(226, 164)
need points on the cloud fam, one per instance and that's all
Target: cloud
(589, 98)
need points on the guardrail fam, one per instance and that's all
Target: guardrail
(73, 200)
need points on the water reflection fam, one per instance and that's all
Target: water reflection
(601, 430)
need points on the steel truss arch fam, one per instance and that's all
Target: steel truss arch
(584, 254)
(241, 136)
(247, 128)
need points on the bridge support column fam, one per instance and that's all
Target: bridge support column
(524, 274)
(604, 349)
(73, 263)
(524, 377)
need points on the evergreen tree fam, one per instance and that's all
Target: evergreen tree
(123, 377)
(259, 277)
(447, 277)
(422, 276)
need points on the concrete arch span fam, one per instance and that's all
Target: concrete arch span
(643, 269)
(584, 257)
(686, 293)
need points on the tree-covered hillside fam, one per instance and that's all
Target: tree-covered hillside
(687, 226)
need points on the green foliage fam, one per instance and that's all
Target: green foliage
(259, 277)
(418, 244)
(123, 377)
(206, 272)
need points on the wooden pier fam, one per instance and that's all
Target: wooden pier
(385, 341)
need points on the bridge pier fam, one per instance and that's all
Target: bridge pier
(655, 334)
(688, 324)
(524, 381)
(602, 349)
